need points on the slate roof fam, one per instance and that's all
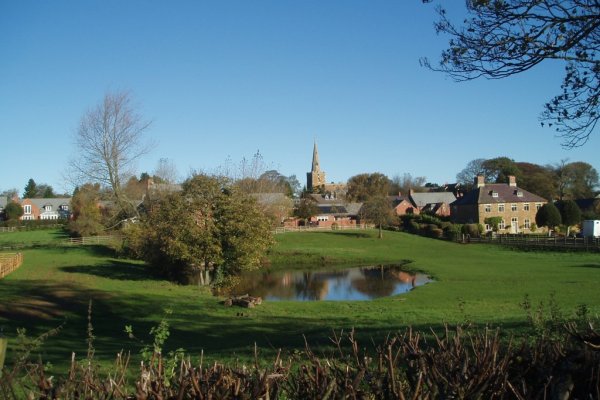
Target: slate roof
(505, 194)
(395, 200)
(340, 210)
(321, 199)
(55, 202)
(423, 199)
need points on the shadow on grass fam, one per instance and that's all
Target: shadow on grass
(597, 266)
(115, 269)
(353, 234)
(197, 324)
(100, 250)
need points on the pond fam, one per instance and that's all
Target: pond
(360, 283)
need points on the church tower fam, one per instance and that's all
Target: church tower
(315, 178)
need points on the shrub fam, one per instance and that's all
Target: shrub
(430, 219)
(474, 230)
(533, 227)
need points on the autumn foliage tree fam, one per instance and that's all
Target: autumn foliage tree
(209, 224)
(85, 207)
(362, 187)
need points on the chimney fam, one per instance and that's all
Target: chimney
(479, 181)
(512, 181)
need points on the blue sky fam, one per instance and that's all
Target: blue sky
(223, 79)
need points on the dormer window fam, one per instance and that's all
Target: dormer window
(48, 208)
(494, 194)
(519, 193)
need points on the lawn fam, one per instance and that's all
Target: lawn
(480, 283)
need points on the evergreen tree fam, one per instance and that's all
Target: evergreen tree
(548, 215)
(30, 189)
(569, 213)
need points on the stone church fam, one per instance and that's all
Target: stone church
(315, 179)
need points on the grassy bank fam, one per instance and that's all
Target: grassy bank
(481, 283)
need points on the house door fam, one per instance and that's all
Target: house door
(514, 225)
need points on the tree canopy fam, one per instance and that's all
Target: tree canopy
(306, 208)
(500, 38)
(211, 223)
(13, 211)
(570, 213)
(85, 207)
(548, 215)
(378, 210)
(361, 187)
(108, 142)
(33, 190)
(564, 180)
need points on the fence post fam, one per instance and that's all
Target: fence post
(3, 346)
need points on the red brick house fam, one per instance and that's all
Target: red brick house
(46, 209)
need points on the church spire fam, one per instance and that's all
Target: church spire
(315, 160)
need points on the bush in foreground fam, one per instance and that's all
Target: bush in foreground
(460, 363)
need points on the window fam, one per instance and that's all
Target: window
(501, 207)
(538, 206)
(488, 208)
(527, 223)
(514, 222)
(48, 208)
(501, 225)
(526, 207)
(27, 209)
(494, 194)
(322, 218)
(488, 227)
(513, 207)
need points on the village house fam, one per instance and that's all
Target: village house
(334, 211)
(516, 207)
(434, 203)
(46, 208)
(3, 203)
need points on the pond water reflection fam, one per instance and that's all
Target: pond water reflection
(361, 283)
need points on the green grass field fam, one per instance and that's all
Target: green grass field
(481, 283)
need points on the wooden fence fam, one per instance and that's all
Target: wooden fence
(285, 229)
(9, 262)
(91, 240)
(88, 240)
(538, 241)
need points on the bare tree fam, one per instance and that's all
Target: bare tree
(406, 182)
(167, 170)
(108, 143)
(500, 38)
